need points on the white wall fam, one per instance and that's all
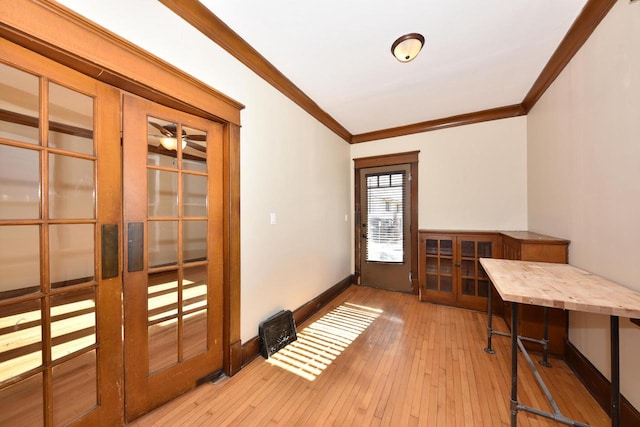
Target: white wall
(470, 177)
(584, 175)
(291, 165)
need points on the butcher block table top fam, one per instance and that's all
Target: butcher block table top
(560, 286)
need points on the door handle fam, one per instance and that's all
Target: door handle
(135, 245)
(109, 252)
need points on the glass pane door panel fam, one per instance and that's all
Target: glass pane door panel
(70, 120)
(468, 287)
(194, 241)
(446, 284)
(162, 295)
(468, 248)
(20, 178)
(162, 303)
(20, 260)
(72, 257)
(163, 193)
(468, 267)
(74, 388)
(194, 288)
(163, 345)
(194, 195)
(19, 105)
(20, 339)
(163, 243)
(432, 265)
(446, 266)
(194, 153)
(194, 340)
(71, 187)
(446, 247)
(73, 322)
(432, 282)
(483, 288)
(15, 410)
(484, 250)
(162, 142)
(385, 201)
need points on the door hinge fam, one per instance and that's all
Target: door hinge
(411, 277)
(410, 177)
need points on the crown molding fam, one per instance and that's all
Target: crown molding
(193, 12)
(216, 30)
(446, 122)
(584, 25)
(74, 41)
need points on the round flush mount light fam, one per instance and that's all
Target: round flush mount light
(407, 47)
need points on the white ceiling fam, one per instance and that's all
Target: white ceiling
(477, 55)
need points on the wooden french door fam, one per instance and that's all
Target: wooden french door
(60, 222)
(173, 275)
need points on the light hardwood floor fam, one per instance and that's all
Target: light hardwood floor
(408, 363)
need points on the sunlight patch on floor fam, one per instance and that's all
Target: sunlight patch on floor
(321, 342)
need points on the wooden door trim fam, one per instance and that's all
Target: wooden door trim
(411, 158)
(75, 42)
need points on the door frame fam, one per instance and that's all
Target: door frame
(410, 158)
(74, 41)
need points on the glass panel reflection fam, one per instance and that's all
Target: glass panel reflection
(21, 403)
(163, 243)
(162, 143)
(163, 345)
(194, 241)
(194, 153)
(19, 105)
(194, 195)
(71, 254)
(20, 178)
(162, 193)
(75, 390)
(19, 261)
(194, 288)
(73, 322)
(162, 295)
(70, 120)
(20, 339)
(194, 340)
(71, 187)
(162, 306)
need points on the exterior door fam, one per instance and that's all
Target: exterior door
(385, 227)
(173, 275)
(60, 219)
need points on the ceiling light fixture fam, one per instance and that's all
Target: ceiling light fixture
(407, 47)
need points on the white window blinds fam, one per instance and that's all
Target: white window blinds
(385, 218)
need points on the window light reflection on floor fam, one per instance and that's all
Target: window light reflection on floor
(321, 342)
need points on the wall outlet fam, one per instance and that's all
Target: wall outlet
(272, 218)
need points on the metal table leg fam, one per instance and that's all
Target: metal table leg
(615, 371)
(514, 364)
(488, 349)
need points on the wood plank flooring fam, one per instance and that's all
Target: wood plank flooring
(415, 364)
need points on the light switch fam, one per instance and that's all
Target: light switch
(272, 218)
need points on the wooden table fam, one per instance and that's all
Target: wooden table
(559, 286)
